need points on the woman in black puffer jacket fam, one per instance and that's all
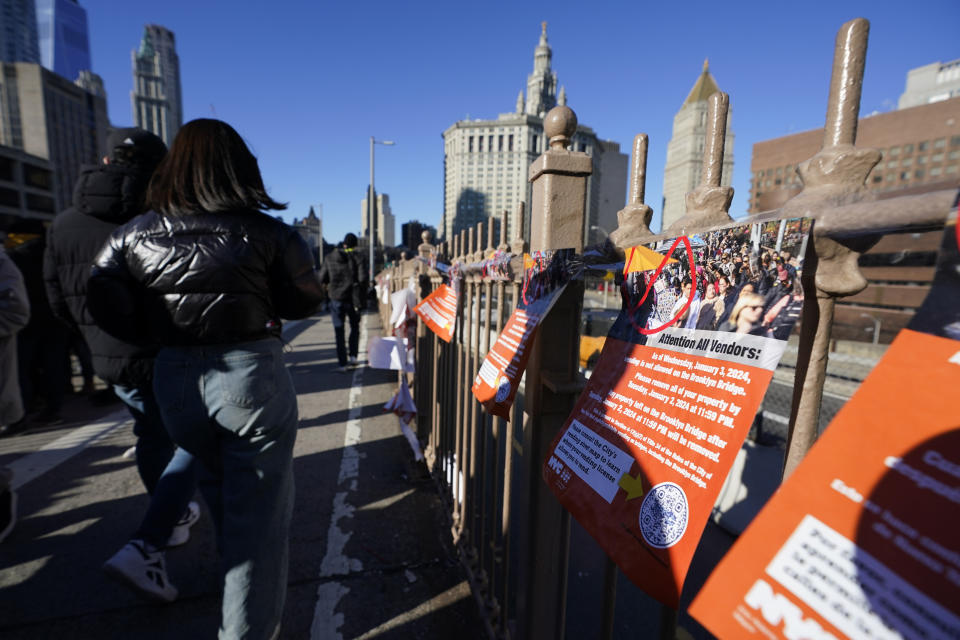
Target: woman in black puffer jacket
(207, 276)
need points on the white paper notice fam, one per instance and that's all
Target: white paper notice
(594, 459)
(853, 591)
(390, 353)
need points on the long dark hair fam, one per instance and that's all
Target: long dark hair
(208, 168)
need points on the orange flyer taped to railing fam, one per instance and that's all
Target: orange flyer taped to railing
(640, 461)
(495, 385)
(439, 311)
(861, 540)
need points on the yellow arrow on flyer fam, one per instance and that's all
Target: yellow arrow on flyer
(633, 486)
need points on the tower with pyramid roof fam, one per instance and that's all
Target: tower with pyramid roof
(685, 149)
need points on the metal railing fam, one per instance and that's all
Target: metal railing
(512, 535)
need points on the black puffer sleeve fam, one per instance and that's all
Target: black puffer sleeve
(296, 288)
(112, 292)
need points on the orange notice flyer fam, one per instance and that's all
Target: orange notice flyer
(640, 461)
(439, 311)
(499, 376)
(862, 539)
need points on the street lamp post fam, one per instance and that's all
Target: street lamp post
(370, 199)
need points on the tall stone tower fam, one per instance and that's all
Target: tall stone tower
(685, 149)
(384, 222)
(486, 162)
(156, 99)
(542, 83)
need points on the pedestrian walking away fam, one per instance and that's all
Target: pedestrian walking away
(106, 196)
(345, 275)
(208, 276)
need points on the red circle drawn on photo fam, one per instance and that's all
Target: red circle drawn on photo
(693, 277)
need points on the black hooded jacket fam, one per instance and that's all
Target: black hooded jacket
(104, 197)
(202, 278)
(346, 276)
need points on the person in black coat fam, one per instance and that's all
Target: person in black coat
(105, 196)
(345, 275)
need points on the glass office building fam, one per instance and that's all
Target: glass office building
(18, 31)
(63, 35)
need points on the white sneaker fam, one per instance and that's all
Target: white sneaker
(181, 531)
(353, 361)
(139, 566)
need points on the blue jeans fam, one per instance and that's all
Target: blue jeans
(168, 472)
(234, 407)
(338, 310)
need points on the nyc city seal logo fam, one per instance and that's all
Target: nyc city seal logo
(503, 389)
(664, 515)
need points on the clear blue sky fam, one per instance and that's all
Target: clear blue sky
(308, 83)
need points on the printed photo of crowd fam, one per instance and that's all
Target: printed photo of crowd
(743, 279)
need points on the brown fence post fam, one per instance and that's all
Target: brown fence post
(559, 180)
(708, 204)
(633, 221)
(426, 361)
(833, 177)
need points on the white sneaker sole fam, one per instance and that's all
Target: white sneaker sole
(129, 582)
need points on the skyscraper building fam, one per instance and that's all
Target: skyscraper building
(44, 115)
(311, 229)
(156, 99)
(64, 37)
(26, 187)
(486, 162)
(18, 31)
(685, 149)
(931, 83)
(384, 224)
(411, 234)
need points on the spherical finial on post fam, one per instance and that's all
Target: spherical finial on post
(559, 126)
(425, 250)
